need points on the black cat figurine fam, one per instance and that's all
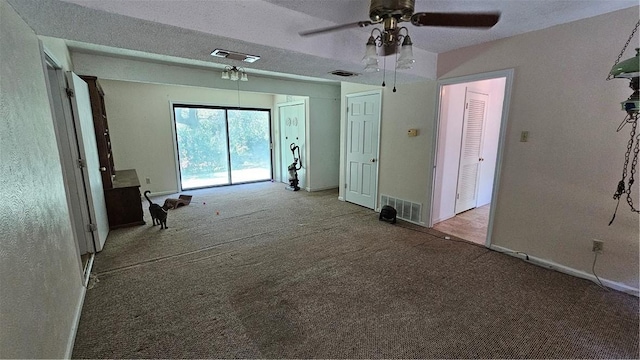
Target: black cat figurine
(158, 214)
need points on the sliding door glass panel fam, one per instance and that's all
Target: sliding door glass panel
(202, 147)
(249, 145)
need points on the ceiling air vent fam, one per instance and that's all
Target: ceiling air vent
(235, 55)
(343, 73)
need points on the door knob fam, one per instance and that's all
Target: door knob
(103, 169)
(372, 160)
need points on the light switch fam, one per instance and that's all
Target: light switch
(412, 132)
(524, 136)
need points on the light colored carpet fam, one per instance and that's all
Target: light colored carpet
(280, 274)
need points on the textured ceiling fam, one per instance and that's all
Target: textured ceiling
(186, 31)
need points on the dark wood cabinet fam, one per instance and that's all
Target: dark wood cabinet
(122, 187)
(124, 205)
(101, 128)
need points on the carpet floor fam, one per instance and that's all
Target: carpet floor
(255, 271)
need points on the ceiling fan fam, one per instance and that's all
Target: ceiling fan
(392, 12)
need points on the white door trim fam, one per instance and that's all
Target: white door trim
(508, 74)
(345, 129)
(62, 115)
(283, 152)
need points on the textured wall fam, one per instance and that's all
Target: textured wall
(556, 190)
(40, 281)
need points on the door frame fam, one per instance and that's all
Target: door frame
(282, 153)
(79, 215)
(345, 145)
(508, 74)
(173, 104)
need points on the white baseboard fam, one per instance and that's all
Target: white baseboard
(76, 323)
(567, 270)
(340, 198)
(323, 188)
(76, 318)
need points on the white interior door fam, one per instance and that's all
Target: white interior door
(471, 150)
(285, 154)
(363, 123)
(68, 147)
(88, 151)
(292, 130)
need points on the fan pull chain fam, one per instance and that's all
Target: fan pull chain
(384, 70)
(395, 69)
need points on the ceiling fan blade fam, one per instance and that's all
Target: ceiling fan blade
(469, 20)
(335, 28)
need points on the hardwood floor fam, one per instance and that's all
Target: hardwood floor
(470, 225)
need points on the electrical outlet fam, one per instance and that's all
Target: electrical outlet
(598, 246)
(148, 180)
(524, 136)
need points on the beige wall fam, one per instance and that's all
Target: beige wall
(404, 168)
(141, 127)
(323, 101)
(556, 190)
(41, 282)
(406, 162)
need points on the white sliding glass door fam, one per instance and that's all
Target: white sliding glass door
(219, 146)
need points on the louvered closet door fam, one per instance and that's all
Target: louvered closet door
(471, 150)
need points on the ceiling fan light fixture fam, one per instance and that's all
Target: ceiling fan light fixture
(234, 74)
(372, 67)
(371, 55)
(404, 65)
(406, 59)
(390, 41)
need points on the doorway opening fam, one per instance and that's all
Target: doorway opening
(77, 188)
(471, 126)
(222, 146)
(292, 121)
